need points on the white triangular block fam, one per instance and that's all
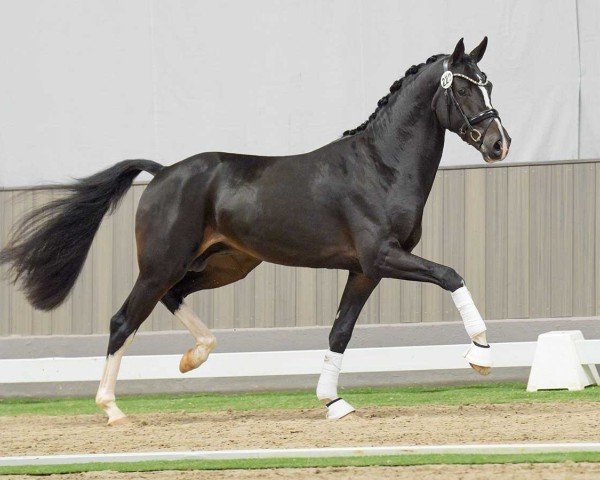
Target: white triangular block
(557, 364)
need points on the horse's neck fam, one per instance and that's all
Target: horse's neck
(408, 137)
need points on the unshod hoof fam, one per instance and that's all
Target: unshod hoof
(195, 357)
(481, 370)
(116, 422)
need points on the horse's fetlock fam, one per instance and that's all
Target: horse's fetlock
(209, 342)
(103, 399)
(451, 280)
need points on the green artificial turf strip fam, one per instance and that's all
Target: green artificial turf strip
(359, 397)
(386, 460)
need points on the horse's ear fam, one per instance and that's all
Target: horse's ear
(479, 50)
(459, 51)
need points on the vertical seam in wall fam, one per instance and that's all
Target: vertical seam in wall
(505, 244)
(573, 227)
(362, 57)
(580, 79)
(529, 181)
(154, 78)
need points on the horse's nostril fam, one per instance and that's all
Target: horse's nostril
(498, 147)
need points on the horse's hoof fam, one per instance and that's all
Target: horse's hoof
(115, 422)
(339, 408)
(480, 358)
(196, 356)
(481, 370)
(186, 363)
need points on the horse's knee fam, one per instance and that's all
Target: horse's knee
(450, 280)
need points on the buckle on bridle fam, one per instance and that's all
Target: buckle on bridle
(475, 135)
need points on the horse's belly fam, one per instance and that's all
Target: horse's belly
(291, 241)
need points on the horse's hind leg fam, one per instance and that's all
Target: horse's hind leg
(219, 269)
(147, 291)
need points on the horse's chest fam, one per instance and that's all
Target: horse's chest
(403, 219)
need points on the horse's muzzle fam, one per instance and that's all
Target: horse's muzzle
(496, 143)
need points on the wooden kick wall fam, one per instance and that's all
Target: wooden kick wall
(525, 238)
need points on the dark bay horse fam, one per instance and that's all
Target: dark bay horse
(207, 221)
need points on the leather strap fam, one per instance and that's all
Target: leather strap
(468, 122)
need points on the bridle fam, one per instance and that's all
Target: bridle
(468, 122)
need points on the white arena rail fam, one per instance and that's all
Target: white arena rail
(546, 361)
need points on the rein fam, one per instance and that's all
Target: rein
(468, 122)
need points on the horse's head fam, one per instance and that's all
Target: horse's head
(462, 103)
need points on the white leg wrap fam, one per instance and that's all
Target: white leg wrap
(327, 387)
(474, 324)
(328, 381)
(479, 353)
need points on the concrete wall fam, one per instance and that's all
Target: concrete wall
(525, 238)
(86, 84)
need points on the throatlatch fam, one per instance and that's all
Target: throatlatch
(337, 407)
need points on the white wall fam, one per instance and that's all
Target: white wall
(84, 84)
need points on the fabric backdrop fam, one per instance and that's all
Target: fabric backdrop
(86, 84)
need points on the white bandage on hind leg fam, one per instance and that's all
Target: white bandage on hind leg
(472, 320)
(328, 381)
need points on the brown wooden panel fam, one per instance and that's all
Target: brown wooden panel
(540, 218)
(264, 295)
(244, 302)
(496, 241)
(285, 296)
(454, 232)
(224, 307)
(518, 243)
(202, 303)
(523, 237)
(389, 300)
(21, 318)
(584, 240)
(327, 301)
(6, 289)
(370, 312)
(475, 254)
(597, 242)
(306, 297)
(561, 241)
(433, 249)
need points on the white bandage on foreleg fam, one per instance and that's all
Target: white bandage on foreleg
(474, 324)
(328, 381)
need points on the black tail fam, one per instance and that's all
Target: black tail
(47, 249)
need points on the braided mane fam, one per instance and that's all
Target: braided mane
(394, 88)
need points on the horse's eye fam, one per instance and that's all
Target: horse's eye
(462, 92)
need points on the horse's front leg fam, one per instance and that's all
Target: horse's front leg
(391, 261)
(357, 291)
